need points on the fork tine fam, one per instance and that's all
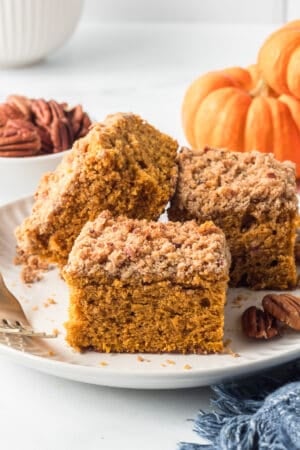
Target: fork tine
(9, 323)
(14, 320)
(19, 329)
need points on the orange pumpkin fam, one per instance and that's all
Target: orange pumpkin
(279, 60)
(234, 109)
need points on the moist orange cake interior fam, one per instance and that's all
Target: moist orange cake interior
(138, 286)
(123, 164)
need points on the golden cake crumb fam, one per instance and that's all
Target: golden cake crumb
(171, 362)
(103, 363)
(49, 302)
(142, 359)
(35, 308)
(187, 367)
(33, 267)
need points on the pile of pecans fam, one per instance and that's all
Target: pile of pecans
(279, 311)
(30, 127)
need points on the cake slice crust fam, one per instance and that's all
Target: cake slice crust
(123, 164)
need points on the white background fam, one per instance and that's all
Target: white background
(214, 11)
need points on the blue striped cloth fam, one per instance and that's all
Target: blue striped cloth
(258, 413)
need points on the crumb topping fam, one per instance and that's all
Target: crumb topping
(33, 267)
(152, 251)
(213, 182)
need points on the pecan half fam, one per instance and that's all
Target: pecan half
(284, 307)
(61, 134)
(54, 125)
(22, 103)
(19, 138)
(41, 112)
(259, 324)
(9, 111)
(61, 131)
(46, 141)
(80, 121)
(57, 109)
(85, 125)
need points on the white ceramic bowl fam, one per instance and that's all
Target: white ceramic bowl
(31, 29)
(19, 177)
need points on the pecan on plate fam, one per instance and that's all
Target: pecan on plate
(19, 138)
(259, 324)
(284, 307)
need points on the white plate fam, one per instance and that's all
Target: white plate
(165, 371)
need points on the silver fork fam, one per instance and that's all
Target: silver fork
(12, 317)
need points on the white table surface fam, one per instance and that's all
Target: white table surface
(144, 69)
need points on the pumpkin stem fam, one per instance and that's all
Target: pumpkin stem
(260, 89)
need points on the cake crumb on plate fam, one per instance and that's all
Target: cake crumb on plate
(103, 363)
(142, 359)
(49, 301)
(171, 362)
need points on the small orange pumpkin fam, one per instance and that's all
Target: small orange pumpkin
(234, 109)
(279, 59)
